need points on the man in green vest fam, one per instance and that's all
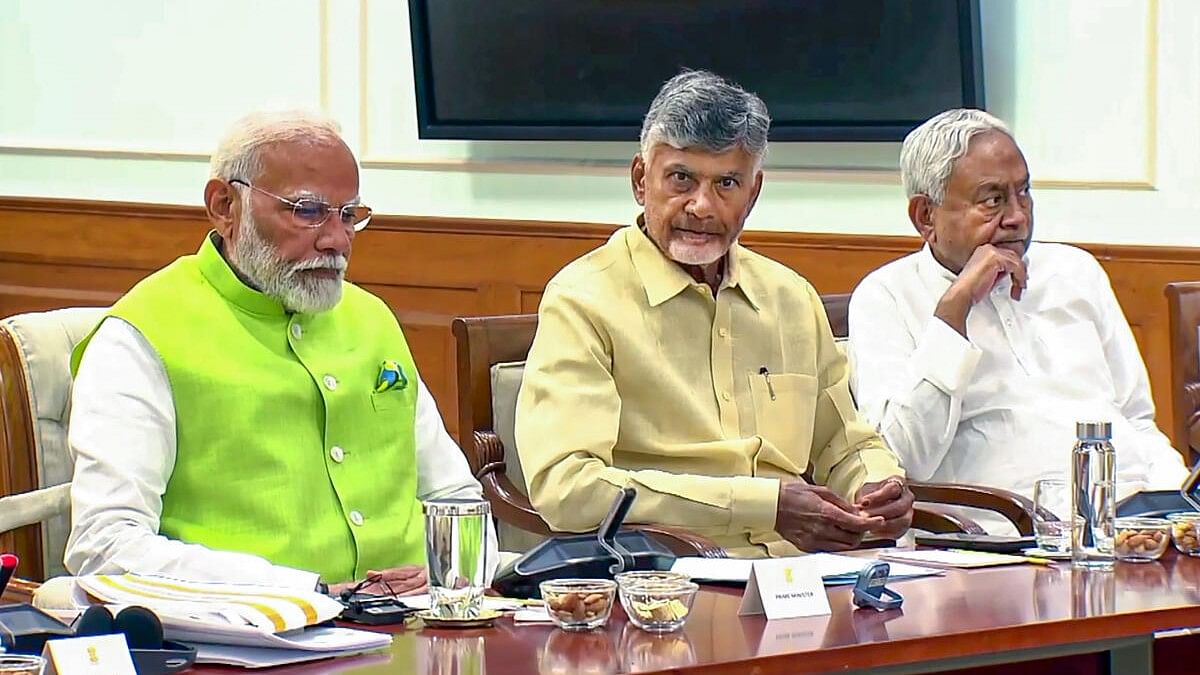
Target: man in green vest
(246, 415)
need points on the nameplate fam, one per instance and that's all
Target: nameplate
(784, 588)
(98, 654)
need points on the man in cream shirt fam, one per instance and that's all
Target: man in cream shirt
(229, 421)
(673, 360)
(976, 355)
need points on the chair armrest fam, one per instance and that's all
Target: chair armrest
(513, 507)
(682, 542)
(20, 590)
(1016, 508)
(930, 518)
(508, 503)
(35, 506)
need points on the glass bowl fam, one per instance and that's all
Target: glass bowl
(579, 604)
(1184, 532)
(658, 605)
(20, 663)
(1141, 539)
(626, 578)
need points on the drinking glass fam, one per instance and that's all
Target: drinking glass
(456, 552)
(1052, 511)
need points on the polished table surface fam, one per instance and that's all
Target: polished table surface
(965, 614)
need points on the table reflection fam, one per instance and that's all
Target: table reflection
(577, 652)
(454, 654)
(1093, 592)
(642, 651)
(870, 625)
(1051, 588)
(1142, 576)
(1186, 575)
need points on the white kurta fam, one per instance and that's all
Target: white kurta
(122, 438)
(1000, 407)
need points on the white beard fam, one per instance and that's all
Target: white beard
(258, 261)
(691, 253)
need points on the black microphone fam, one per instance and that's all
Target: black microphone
(95, 620)
(142, 628)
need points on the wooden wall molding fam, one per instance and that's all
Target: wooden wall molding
(61, 252)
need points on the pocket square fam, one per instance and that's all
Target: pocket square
(391, 376)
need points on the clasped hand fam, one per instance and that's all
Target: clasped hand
(404, 580)
(814, 518)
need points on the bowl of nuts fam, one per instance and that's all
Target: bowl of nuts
(658, 605)
(1141, 539)
(579, 604)
(638, 576)
(1184, 532)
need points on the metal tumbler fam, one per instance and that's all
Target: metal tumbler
(456, 552)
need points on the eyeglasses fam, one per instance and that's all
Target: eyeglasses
(312, 213)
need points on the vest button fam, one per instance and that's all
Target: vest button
(330, 382)
(337, 454)
(356, 518)
(297, 331)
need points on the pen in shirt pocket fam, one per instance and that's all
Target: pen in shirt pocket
(767, 376)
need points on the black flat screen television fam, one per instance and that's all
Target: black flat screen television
(828, 70)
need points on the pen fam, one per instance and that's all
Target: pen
(8, 565)
(767, 376)
(1038, 561)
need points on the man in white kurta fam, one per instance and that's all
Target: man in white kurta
(976, 355)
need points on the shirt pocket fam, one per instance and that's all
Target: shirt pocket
(784, 412)
(387, 400)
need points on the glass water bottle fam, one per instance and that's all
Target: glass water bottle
(1093, 496)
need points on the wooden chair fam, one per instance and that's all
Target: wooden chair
(484, 342)
(35, 465)
(1183, 311)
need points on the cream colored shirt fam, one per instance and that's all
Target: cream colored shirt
(639, 377)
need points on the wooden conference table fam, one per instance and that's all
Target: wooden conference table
(965, 619)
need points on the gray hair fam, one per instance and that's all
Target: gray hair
(239, 154)
(929, 152)
(697, 109)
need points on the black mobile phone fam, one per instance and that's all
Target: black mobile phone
(976, 542)
(375, 610)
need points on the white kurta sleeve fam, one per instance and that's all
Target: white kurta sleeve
(909, 386)
(442, 469)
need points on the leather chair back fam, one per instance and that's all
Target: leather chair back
(1183, 310)
(35, 463)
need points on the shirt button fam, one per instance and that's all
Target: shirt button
(356, 518)
(724, 332)
(330, 382)
(337, 454)
(297, 331)
(727, 396)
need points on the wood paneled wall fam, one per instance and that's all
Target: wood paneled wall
(56, 253)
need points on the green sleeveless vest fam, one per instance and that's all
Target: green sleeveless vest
(285, 449)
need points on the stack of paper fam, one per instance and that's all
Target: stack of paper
(309, 644)
(957, 558)
(835, 570)
(233, 614)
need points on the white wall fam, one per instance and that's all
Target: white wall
(122, 100)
